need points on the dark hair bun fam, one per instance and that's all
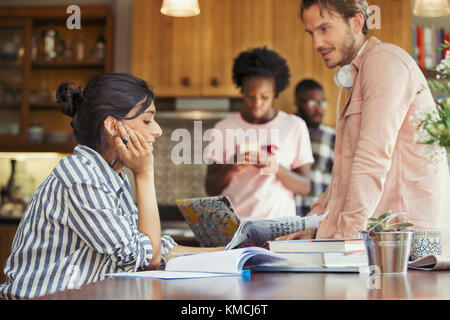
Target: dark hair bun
(69, 97)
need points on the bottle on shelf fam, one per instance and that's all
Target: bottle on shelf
(34, 49)
(99, 51)
(68, 53)
(79, 49)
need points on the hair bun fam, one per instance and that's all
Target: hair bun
(69, 97)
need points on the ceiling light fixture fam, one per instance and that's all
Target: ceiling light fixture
(180, 8)
(431, 8)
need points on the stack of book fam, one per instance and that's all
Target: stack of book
(425, 41)
(319, 255)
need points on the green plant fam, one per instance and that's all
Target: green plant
(381, 223)
(434, 124)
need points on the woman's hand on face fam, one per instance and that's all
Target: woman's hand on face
(136, 155)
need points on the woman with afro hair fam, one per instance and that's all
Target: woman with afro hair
(260, 157)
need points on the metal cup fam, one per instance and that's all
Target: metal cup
(391, 251)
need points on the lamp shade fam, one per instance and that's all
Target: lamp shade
(431, 8)
(180, 8)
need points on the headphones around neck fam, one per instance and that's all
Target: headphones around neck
(343, 77)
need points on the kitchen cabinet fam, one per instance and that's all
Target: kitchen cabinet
(14, 35)
(166, 51)
(37, 51)
(194, 56)
(230, 27)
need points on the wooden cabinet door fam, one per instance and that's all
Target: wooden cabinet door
(229, 27)
(166, 51)
(194, 56)
(217, 48)
(252, 24)
(15, 42)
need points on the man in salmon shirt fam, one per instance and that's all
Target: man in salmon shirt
(377, 166)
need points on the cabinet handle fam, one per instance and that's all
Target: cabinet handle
(185, 81)
(214, 82)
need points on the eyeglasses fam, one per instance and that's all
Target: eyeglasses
(315, 104)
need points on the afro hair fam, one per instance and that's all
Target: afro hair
(261, 62)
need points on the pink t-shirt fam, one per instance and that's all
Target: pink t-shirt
(253, 192)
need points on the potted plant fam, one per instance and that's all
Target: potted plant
(388, 245)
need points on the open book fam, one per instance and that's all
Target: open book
(228, 261)
(210, 264)
(431, 263)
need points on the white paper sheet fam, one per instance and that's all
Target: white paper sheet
(170, 275)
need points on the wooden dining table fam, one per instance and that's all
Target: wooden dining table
(423, 285)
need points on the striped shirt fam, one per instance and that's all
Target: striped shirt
(80, 225)
(322, 144)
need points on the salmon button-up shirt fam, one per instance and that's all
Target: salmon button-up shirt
(377, 165)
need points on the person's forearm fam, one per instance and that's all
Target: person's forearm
(293, 181)
(148, 214)
(219, 180)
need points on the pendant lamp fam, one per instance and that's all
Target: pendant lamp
(431, 8)
(180, 8)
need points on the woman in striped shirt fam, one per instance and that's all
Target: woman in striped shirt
(82, 222)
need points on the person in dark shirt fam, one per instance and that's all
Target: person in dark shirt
(311, 102)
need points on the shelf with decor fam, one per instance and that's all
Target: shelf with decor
(37, 52)
(44, 105)
(68, 64)
(426, 39)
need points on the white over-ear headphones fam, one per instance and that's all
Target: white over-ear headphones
(343, 78)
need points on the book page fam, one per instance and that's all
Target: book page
(217, 261)
(431, 262)
(168, 275)
(227, 261)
